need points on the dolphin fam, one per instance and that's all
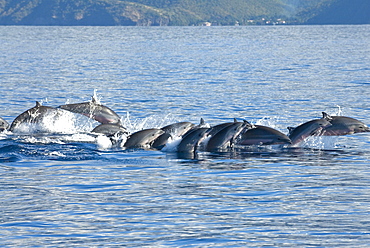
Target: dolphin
(202, 124)
(192, 139)
(143, 138)
(172, 131)
(110, 129)
(342, 125)
(178, 129)
(215, 129)
(3, 124)
(33, 115)
(161, 141)
(262, 135)
(303, 131)
(94, 110)
(225, 138)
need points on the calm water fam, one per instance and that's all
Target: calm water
(67, 190)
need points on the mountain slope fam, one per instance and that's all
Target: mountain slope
(137, 12)
(343, 12)
(181, 12)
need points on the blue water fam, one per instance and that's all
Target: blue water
(67, 189)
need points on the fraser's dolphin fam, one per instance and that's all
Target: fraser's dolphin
(143, 138)
(110, 129)
(202, 124)
(3, 124)
(342, 125)
(33, 115)
(170, 132)
(303, 131)
(262, 135)
(192, 139)
(225, 138)
(178, 129)
(94, 110)
(215, 129)
(161, 141)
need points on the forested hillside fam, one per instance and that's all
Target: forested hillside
(178, 12)
(342, 12)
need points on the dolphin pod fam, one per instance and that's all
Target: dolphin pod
(192, 137)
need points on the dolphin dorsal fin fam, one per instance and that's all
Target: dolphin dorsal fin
(202, 122)
(235, 120)
(38, 104)
(326, 116)
(248, 124)
(93, 100)
(290, 129)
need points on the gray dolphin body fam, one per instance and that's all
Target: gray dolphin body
(161, 141)
(3, 124)
(33, 115)
(192, 139)
(225, 138)
(342, 125)
(143, 138)
(303, 131)
(215, 129)
(178, 129)
(110, 129)
(172, 131)
(94, 111)
(262, 135)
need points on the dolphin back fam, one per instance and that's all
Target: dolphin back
(262, 135)
(143, 138)
(32, 115)
(310, 128)
(94, 111)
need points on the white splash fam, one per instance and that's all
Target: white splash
(96, 97)
(154, 121)
(103, 142)
(267, 121)
(171, 145)
(339, 112)
(56, 154)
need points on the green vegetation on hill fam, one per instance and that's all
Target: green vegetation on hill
(174, 12)
(342, 12)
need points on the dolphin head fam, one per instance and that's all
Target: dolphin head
(361, 129)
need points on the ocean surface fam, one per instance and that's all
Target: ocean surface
(67, 188)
